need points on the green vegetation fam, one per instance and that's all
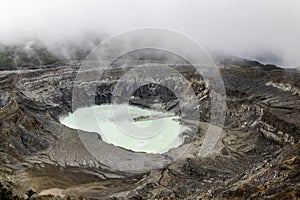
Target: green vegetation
(271, 67)
(12, 57)
(36, 53)
(29, 193)
(245, 63)
(6, 194)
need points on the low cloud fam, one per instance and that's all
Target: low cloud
(267, 30)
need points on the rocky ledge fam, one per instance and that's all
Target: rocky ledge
(257, 155)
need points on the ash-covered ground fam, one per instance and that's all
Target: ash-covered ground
(257, 156)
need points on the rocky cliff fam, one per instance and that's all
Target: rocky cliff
(257, 155)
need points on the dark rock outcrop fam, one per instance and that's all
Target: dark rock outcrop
(259, 144)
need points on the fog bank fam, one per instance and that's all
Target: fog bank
(267, 30)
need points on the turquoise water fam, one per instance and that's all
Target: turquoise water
(130, 127)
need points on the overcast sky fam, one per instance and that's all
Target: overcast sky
(269, 29)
